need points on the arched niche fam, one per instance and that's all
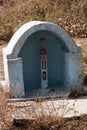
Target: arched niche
(22, 58)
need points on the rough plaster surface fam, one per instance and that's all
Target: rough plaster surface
(16, 76)
(13, 66)
(63, 108)
(29, 28)
(74, 70)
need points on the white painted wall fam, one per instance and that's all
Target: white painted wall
(73, 75)
(16, 77)
(13, 64)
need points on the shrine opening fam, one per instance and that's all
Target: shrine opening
(41, 58)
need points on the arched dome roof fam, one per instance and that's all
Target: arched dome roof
(29, 28)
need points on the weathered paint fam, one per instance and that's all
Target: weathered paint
(15, 65)
(25, 44)
(30, 54)
(73, 76)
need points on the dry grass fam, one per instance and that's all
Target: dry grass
(37, 115)
(70, 14)
(5, 111)
(78, 123)
(44, 121)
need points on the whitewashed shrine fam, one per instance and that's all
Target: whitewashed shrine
(41, 56)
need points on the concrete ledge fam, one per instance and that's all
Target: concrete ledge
(62, 108)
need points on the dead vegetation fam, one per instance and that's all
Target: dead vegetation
(70, 14)
(5, 111)
(42, 122)
(10, 118)
(77, 123)
(38, 115)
